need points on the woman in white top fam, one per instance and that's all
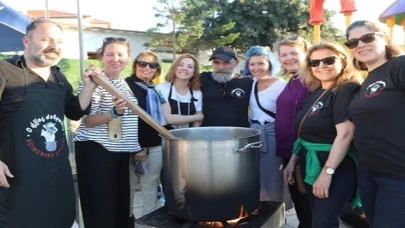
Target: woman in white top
(262, 65)
(102, 151)
(183, 107)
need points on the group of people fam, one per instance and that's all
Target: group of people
(334, 137)
(347, 149)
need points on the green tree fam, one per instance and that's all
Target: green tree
(262, 22)
(193, 26)
(171, 13)
(215, 30)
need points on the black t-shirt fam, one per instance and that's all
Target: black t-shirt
(225, 104)
(147, 136)
(12, 89)
(378, 113)
(320, 124)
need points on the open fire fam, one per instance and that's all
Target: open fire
(162, 218)
(242, 218)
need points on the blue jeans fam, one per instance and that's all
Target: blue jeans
(383, 198)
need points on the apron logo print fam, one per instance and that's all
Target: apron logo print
(44, 136)
(48, 132)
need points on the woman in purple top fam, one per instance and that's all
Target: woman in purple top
(291, 53)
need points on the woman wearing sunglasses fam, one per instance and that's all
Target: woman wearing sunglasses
(377, 112)
(182, 92)
(102, 152)
(146, 67)
(327, 160)
(262, 65)
(291, 52)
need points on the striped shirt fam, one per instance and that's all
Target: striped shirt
(102, 102)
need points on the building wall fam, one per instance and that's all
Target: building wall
(93, 39)
(86, 22)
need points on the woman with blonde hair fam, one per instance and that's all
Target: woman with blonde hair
(291, 52)
(181, 91)
(102, 153)
(327, 158)
(146, 67)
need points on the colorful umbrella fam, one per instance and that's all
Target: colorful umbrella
(394, 15)
(12, 29)
(395, 11)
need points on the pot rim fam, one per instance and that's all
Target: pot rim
(258, 132)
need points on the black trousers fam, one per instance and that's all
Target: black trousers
(326, 212)
(301, 204)
(103, 179)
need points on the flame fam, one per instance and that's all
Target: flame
(242, 214)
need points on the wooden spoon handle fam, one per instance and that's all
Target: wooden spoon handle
(100, 80)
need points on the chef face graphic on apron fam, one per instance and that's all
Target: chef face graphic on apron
(41, 194)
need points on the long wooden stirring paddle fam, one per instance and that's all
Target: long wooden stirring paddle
(100, 80)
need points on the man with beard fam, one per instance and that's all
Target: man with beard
(225, 93)
(36, 183)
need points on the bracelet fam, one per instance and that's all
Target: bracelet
(112, 113)
(115, 112)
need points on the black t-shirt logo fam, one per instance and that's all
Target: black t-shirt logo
(315, 108)
(238, 93)
(375, 89)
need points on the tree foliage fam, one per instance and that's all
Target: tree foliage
(194, 25)
(205, 24)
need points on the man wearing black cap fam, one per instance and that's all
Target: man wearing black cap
(225, 93)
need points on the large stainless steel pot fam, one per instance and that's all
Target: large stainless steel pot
(211, 173)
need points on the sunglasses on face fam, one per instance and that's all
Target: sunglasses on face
(143, 64)
(327, 61)
(112, 39)
(367, 38)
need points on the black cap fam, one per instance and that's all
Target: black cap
(224, 53)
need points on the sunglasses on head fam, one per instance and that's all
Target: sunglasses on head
(327, 61)
(367, 38)
(293, 38)
(296, 38)
(112, 39)
(143, 64)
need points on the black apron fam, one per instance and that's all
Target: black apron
(181, 108)
(41, 194)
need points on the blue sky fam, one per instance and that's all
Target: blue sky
(139, 14)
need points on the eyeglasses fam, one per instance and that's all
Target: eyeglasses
(143, 64)
(327, 61)
(367, 38)
(223, 92)
(112, 39)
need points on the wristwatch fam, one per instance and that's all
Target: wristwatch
(329, 170)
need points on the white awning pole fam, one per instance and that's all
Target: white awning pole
(79, 18)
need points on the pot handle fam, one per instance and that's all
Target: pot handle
(254, 145)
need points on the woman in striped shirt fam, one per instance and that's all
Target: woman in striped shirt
(104, 143)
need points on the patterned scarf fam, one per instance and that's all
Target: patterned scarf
(153, 102)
